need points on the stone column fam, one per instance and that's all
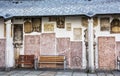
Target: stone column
(9, 48)
(90, 46)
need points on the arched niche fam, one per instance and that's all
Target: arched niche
(115, 26)
(27, 26)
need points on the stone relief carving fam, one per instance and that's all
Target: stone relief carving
(105, 24)
(49, 27)
(60, 22)
(18, 35)
(115, 26)
(36, 24)
(95, 21)
(84, 21)
(27, 26)
(17, 40)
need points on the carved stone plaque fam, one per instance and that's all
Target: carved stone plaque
(18, 35)
(36, 24)
(95, 21)
(105, 24)
(49, 27)
(84, 21)
(68, 26)
(60, 22)
(77, 33)
(115, 26)
(27, 27)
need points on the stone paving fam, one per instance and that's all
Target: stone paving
(56, 73)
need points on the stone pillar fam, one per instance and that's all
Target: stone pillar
(9, 48)
(90, 46)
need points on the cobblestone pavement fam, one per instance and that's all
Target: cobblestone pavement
(56, 73)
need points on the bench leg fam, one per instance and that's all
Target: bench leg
(118, 65)
(65, 65)
(35, 63)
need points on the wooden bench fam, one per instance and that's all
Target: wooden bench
(56, 60)
(25, 60)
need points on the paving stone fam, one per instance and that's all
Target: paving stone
(30, 75)
(116, 73)
(101, 74)
(17, 74)
(2, 73)
(47, 73)
(109, 74)
(79, 74)
(20, 73)
(35, 72)
(11, 72)
(64, 73)
(92, 74)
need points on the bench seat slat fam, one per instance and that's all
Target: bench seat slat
(55, 60)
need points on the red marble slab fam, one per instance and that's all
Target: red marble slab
(63, 48)
(47, 43)
(106, 52)
(76, 55)
(118, 48)
(2, 52)
(32, 45)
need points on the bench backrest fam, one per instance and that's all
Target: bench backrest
(26, 58)
(51, 58)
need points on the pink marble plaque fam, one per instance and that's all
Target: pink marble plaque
(106, 50)
(32, 45)
(63, 48)
(76, 55)
(118, 48)
(47, 42)
(2, 52)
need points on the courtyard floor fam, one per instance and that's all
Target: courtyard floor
(57, 73)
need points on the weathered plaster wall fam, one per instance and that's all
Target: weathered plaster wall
(32, 45)
(118, 48)
(63, 48)
(2, 52)
(76, 55)
(47, 44)
(107, 52)
(1, 28)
